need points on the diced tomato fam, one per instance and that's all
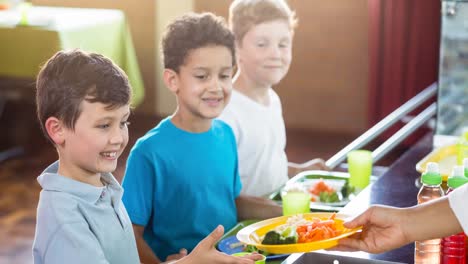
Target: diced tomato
(319, 187)
(317, 230)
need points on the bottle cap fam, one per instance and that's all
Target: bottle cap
(432, 175)
(457, 179)
(432, 167)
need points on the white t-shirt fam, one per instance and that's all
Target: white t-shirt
(261, 140)
(457, 200)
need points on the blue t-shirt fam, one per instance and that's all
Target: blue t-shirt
(181, 185)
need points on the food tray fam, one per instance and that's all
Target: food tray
(334, 178)
(252, 234)
(229, 238)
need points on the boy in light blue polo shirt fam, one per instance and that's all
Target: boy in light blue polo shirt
(80, 216)
(182, 178)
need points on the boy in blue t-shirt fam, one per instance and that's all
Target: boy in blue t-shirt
(182, 178)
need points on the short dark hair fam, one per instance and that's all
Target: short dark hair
(192, 31)
(70, 77)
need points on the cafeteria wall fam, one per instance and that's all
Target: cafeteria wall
(326, 87)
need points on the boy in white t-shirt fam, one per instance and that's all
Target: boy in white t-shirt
(263, 30)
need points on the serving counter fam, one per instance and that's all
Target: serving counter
(396, 187)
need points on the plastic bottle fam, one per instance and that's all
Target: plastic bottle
(462, 148)
(453, 248)
(428, 251)
(465, 165)
(457, 178)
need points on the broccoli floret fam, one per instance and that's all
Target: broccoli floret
(290, 240)
(288, 236)
(347, 189)
(251, 248)
(272, 238)
(327, 197)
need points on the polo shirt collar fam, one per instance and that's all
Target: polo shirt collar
(50, 180)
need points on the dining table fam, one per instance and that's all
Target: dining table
(30, 36)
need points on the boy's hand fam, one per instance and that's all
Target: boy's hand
(314, 164)
(205, 252)
(182, 253)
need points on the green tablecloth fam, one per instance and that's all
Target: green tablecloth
(23, 49)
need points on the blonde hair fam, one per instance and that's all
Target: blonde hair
(244, 14)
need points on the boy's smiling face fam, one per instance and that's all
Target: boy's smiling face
(94, 145)
(204, 83)
(264, 54)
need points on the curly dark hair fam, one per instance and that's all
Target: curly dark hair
(192, 31)
(69, 77)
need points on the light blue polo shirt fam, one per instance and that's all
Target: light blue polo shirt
(80, 223)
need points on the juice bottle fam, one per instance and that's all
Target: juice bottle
(428, 251)
(462, 148)
(453, 248)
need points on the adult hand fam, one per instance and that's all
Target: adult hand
(383, 229)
